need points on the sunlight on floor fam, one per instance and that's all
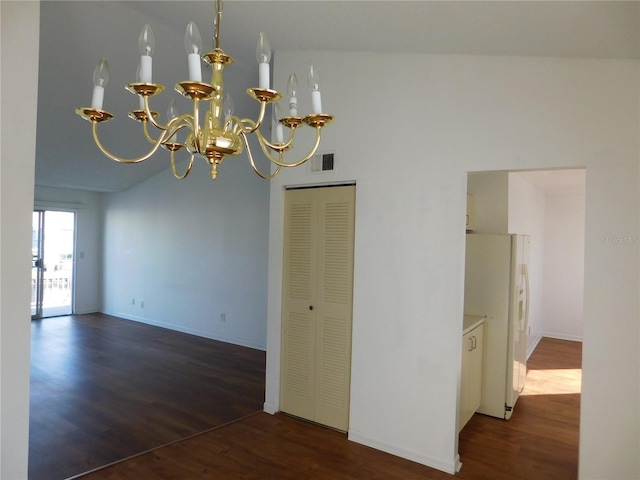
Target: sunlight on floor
(553, 382)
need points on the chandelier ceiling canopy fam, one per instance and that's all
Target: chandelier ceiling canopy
(219, 133)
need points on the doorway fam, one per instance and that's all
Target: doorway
(550, 207)
(52, 267)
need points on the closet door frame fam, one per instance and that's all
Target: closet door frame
(317, 311)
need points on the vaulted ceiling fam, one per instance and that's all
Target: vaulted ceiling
(74, 35)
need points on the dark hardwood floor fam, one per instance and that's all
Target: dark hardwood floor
(540, 441)
(104, 389)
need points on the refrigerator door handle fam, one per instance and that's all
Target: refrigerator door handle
(525, 271)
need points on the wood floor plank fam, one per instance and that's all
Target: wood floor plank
(104, 388)
(540, 441)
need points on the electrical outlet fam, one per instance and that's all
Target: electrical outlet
(223, 317)
(142, 304)
(133, 301)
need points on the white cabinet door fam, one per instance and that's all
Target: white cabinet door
(476, 366)
(472, 371)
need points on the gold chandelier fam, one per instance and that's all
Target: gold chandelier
(217, 137)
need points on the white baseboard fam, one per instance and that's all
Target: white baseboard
(85, 310)
(562, 336)
(270, 408)
(444, 465)
(533, 346)
(190, 331)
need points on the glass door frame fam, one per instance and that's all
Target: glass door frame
(37, 264)
(44, 299)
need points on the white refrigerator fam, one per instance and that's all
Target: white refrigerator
(497, 287)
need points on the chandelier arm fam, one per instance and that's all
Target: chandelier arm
(282, 163)
(146, 132)
(187, 118)
(265, 145)
(236, 125)
(241, 125)
(175, 130)
(278, 147)
(147, 110)
(257, 123)
(125, 160)
(175, 170)
(253, 163)
(183, 121)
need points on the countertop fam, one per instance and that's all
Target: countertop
(470, 322)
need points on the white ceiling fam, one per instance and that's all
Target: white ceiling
(75, 35)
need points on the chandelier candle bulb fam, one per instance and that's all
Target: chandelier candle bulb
(313, 80)
(97, 97)
(292, 90)
(193, 45)
(172, 112)
(263, 54)
(316, 101)
(146, 45)
(140, 98)
(279, 133)
(278, 124)
(100, 80)
(227, 107)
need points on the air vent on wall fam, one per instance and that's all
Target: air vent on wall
(322, 162)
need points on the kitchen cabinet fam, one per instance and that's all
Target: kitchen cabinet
(472, 369)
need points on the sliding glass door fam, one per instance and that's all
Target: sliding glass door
(52, 263)
(37, 266)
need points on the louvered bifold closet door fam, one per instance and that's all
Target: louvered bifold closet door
(317, 304)
(335, 294)
(299, 295)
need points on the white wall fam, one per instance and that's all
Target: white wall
(20, 31)
(88, 242)
(527, 217)
(407, 129)
(563, 294)
(188, 251)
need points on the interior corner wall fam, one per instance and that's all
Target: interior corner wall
(513, 113)
(19, 46)
(87, 206)
(563, 294)
(490, 191)
(191, 255)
